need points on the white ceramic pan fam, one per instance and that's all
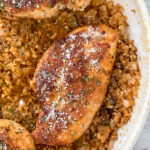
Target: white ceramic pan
(139, 30)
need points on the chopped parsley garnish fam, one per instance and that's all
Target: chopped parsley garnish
(21, 53)
(11, 111)
(98, 83)
(112, 102)
(18, 132)
(84, 64)
(64, 42)
(56, 105)
(103, 70)
(72, 2)
(4, 84)
(36, 6)
(106, 122)
(11, 123)
(83, 91)
(75, 23)
(27, 44)
(85, 79)
(70, 93)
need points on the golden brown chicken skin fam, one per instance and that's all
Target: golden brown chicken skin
(14, 137)
(71, 81)
(39, 9)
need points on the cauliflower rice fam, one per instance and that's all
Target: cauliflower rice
(22, 43)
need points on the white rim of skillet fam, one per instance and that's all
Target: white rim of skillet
(146, 22)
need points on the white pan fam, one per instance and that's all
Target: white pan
(139, 30)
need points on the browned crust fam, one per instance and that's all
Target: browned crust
(57, 125)
(14, 137)
(27, 5)
(6, 142)
(39, 9)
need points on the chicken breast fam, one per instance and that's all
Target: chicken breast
(71, 81)
(38, 9)
(14, 137)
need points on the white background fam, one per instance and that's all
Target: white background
(143, 142)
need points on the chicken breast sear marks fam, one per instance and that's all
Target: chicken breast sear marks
(71, 81)
(38, 9)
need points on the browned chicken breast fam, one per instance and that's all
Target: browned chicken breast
(14, 137)
(39, 9)
(71, 81)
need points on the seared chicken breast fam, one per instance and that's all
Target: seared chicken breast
(14, 137)
(38, 9)
(71, 81)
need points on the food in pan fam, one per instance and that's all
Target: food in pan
(23, 42)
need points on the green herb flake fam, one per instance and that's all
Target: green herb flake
(21, 53)
(112, 102)
(11, 111)
(25, 118)
(18, 132)
(84, 64)
(103, 70)
(85, 79)
(72, 2)
(75, 23)
(36, 6)
(83, 91)
(106, 122)
(70, 93)
(48, 33)
(56, 105)
(98, 83)
(11, 123)
(4, 84)
(27, 44)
